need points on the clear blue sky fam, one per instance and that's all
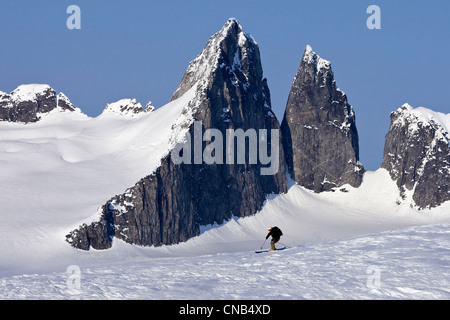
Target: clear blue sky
(140, 49)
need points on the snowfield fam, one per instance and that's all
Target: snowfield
(348, 244)
(408, 264)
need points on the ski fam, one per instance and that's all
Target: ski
(267, 250)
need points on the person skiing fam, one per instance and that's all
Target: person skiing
(276, 233)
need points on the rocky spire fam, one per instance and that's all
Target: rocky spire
(320, 139)
(227, 91)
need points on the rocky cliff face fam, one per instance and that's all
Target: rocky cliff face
(168, 206)
(29, 102)
(417, 155)
(319, 132)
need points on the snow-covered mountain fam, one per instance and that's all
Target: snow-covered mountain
(225, 90)
(417, 155)
(30, 102)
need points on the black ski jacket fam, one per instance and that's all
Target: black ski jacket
(276, 233)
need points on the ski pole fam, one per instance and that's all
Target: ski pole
(283, 244)
(263, 243)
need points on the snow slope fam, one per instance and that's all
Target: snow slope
(55, 173)
(335, 251)
(407, 264)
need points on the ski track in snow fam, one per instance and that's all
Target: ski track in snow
(412, 264)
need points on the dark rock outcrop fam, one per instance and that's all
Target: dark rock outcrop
(29, 102)
(417, 155)
(168, 206)
(320, 139)
(64, 104)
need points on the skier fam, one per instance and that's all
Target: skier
(276, 233)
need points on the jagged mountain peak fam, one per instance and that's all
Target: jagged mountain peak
(127, 107)
(315, 71)
(225, 48)
(232, 24)
(64, 103)
(406, 106)
(29, 102)
(311, 57)
(230, 56)
(319, 129)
